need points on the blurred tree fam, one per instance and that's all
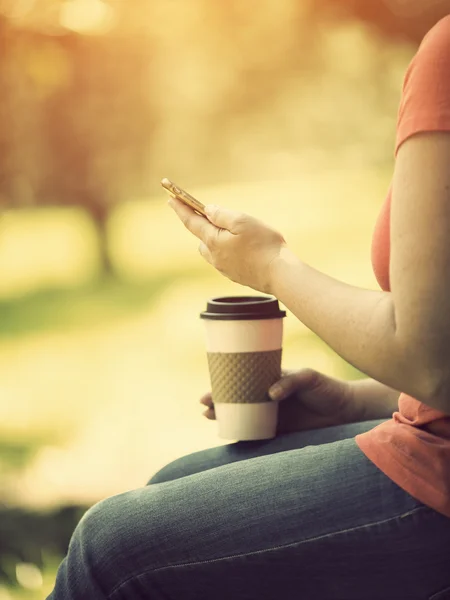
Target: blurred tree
(99, 130)
(75, 122)
(396, 19)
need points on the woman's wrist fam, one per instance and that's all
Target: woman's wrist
(278, 268)
(372, 399)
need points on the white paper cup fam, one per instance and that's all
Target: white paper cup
(244, 346)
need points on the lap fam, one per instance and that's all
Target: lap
(228, 453)
(316, 520)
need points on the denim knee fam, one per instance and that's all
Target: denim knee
(171, 471)
(100, 539)
(197, 462)
(96, 562)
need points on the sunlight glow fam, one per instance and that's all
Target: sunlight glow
(29, 576)
(18, 9)
(4, 594)
(87, 16)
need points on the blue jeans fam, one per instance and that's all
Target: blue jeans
(303, 516)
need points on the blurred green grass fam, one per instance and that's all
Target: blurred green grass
(48, 575)
(96, 303)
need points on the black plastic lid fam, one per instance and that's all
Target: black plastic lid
(243, 308)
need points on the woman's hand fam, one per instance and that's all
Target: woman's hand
(308, 400)
(237, 245)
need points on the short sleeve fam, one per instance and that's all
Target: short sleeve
(425, 103)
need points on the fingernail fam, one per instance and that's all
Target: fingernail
(276, 392)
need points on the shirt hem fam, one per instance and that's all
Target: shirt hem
(406, 482)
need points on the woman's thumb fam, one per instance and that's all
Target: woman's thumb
(291, 383)
(282, 388)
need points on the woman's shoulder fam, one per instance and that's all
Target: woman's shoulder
(432, 60)
(425, 102)
(437, 39)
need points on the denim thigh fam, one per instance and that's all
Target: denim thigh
(228, 453)
(315, 522)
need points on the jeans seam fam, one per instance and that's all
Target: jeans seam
(440, 594)
(254, 552)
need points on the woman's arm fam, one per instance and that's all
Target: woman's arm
(402, 337)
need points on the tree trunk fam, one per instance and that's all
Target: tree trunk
(106, 263)
(100, 213)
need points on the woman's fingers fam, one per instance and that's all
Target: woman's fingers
(206, 399)
(209, 414)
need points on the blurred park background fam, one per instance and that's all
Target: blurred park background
(285, 109)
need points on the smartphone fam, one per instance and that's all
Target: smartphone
(180, 194)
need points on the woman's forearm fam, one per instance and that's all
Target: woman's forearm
(357, 324)
(373, 400)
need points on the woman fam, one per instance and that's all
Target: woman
(357, 505)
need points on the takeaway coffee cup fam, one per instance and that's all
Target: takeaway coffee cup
(244, 337)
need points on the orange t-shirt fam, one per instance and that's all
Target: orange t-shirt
(413, 448)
